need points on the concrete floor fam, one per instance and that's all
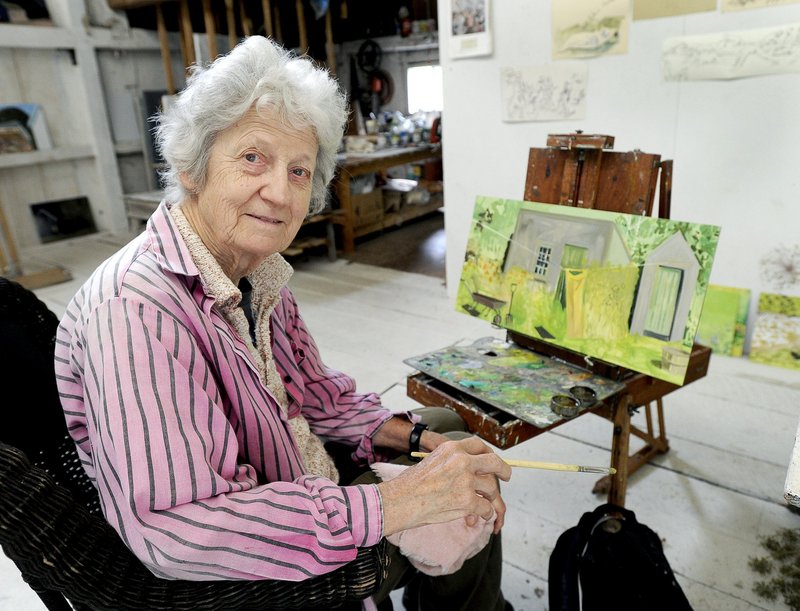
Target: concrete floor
(711, 498)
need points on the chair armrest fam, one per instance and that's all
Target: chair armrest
(58, 544)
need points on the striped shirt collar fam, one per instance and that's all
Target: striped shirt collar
(186, 255)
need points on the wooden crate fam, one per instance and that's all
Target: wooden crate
(368, 207)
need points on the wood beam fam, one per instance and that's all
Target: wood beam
(231, 20)
(165, 52)
(267, 8)
(301, 25)
(211, 30)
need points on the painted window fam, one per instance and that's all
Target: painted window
(663, 302)
(542, 261)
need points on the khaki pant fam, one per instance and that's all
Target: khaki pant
(476, 585)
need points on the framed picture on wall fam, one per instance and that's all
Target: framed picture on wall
(470, 28)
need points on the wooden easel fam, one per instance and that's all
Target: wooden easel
(582, 170)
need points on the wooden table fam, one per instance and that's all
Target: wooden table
(504, 431)
(351, 165)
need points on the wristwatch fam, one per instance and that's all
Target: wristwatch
(416, 435)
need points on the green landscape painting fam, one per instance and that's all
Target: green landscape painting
(622, 288)
(776, 334)
(723, 322)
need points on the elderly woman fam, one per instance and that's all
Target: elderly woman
(194, 391)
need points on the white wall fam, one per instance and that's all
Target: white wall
(735, 144)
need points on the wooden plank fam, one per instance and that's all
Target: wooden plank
(329, 46)
(211, 30)
(124, 5)
(620, 443)
(626, 182)
(47, 277)
(591, 162)
(277, 21)
(301, 25)
(580, 140)
(267, 10)
(231, 21)
(665, 190)
(186, 33)
(9, 257)
(247, 23)
(163, 40)
(544, 165)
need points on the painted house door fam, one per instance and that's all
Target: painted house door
(573, 257)
(663, 302)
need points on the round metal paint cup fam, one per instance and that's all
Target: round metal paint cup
(565, 406)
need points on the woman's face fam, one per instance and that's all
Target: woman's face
(257, 191)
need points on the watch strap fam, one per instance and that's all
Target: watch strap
(416, 435)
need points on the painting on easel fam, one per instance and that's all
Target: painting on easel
(723, 322)
(776, 335)
(622, 288)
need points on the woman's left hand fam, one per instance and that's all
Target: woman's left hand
(395, 432)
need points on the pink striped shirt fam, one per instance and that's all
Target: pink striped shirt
(192, 456)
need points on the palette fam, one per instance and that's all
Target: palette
(514, 379)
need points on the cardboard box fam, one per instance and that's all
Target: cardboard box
(368, 207)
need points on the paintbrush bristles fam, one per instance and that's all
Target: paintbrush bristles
(551, 466)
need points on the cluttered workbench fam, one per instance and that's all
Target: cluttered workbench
(361, 213)
(514, 390)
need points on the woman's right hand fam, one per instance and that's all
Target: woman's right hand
(459, 479)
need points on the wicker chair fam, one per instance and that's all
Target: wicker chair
(50, 521)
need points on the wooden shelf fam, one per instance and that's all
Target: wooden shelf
(395, 219)
(36, 37)
(21, 36)
(62, 153)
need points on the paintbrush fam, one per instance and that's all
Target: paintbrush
(552, 466)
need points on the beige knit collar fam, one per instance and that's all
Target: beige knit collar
(267, 279)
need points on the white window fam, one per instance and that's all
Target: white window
(424, 86)
(542, 261)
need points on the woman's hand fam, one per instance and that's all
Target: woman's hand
(395, 432)
(458, 480)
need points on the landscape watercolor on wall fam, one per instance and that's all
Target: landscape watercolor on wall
(622, 288)
(723, 322)
(776, 334)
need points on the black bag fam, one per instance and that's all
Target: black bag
(619, 562)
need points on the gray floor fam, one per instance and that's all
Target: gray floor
(711, 498)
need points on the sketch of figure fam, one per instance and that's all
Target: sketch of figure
(732, 54)
(544, 94)
(595, 41)
(739, 5)
(590, 28)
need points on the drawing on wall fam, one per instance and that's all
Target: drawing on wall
(776, 334)
(740, 5)
(470, 28)
(623, 288)
(511, 378)
(589, 28)
(732, 54)
(723, 321)
(545, 93)
(647, 9)
(781, 267)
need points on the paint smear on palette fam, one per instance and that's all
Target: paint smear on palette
(776, 335)
(511, 378)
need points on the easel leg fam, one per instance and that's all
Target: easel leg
(620, 444)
